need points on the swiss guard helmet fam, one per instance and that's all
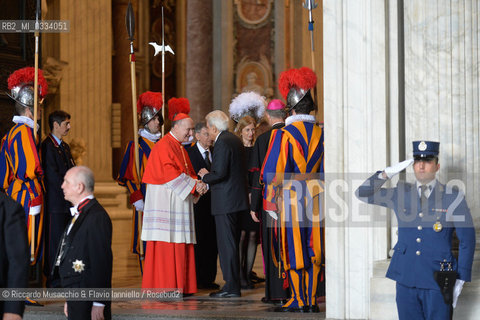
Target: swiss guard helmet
(295, 85)
(247, 104)
(149, 104)
(21, 84)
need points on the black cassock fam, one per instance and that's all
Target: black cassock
(273, 284)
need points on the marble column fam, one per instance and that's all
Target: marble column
(368, 128)
(86, 89)
(356, 144)
(441, 86)
(199, 62)
(223, 45)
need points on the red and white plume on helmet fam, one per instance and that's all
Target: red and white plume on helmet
(294, 84)
(247, 104)
(21, 83)
(149, 104)
(178, 109)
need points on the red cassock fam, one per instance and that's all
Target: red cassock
(168, 264)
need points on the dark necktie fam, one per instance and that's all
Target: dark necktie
(423, 197)
(207, 160)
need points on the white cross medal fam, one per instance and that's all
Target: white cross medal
(78, 265)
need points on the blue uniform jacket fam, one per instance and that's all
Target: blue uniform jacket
(420, 250)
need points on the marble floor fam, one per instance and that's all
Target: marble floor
(126, 274)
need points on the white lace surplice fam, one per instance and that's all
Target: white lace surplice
(168, 212)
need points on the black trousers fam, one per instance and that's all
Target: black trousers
(206, 248)
(54, 227)
(82, 310)
(273, 284)
(228, 236)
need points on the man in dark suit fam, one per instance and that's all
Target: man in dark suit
(274, 291)
(56, 160)
(206, 246)
(228, 183)
(84, 256)
(14, 254)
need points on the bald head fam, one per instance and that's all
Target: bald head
(183, 129)
(78, 183)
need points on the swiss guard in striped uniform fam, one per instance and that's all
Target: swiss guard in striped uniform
(291, 172)
(149, 105)
(20, 169)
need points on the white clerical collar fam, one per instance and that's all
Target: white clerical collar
(74, 209)
(174, 136)
(299, 117)
(150, 136)
(280, 122)
(25, 120)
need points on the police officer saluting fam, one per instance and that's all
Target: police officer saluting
(429, 278)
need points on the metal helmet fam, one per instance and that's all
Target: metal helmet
(23, 94)
(294, 96)
(148, 113)
(21, 83)
(295, 85)
(149, 105)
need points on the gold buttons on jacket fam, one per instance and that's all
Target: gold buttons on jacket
(419, 228)
(419, 240)
(418, 253)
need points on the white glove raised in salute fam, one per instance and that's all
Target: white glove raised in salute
(392, 171)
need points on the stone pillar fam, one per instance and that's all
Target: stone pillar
(121, 86)
(199, 63)
(223, 46)
(356, 141)
(368, 128)
(441, 85)
(86, 89)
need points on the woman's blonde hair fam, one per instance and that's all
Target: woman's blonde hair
(242, 123)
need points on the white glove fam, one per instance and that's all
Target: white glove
(272, 214)
(456, 291)
(139, 205)
(395, 169)
(33, 211)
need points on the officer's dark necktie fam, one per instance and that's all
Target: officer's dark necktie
(207, 160)
(424, 198)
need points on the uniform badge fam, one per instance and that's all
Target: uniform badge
(78, 266)
(437, 227)
(422, 146)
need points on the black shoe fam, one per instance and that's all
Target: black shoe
(210, 286)
(289, 309)
(255, 279)
(311, 309)
(249, 286)
(224, 294)
(274, 301)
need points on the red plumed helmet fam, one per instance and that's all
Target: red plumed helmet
(303, 78)
(178, 108)
(149, 105)
(21, 83)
